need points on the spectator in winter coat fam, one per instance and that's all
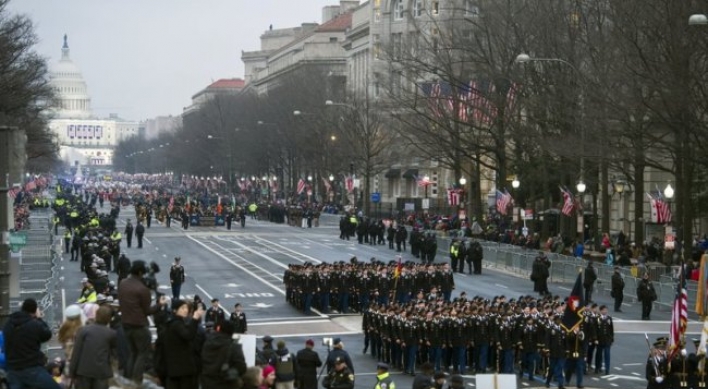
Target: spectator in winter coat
(219, 349)
(179, 355)
(308, 361)
(285, 367)
(24, 333)
(90, 364)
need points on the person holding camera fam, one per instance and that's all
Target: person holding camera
(134, 297)
(24, 333)
(180, 338)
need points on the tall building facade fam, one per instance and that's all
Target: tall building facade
(83, 139)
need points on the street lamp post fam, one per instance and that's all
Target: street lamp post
(580, 186)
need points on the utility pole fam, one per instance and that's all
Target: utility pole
(13, 143)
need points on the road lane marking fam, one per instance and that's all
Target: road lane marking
(147, 240)
(291, 250)
(501, 286)
(271, 322)
(632, 364)
(254, 275)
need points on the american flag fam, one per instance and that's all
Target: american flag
(663, 210)
(349, 183)
(679, 316)
(453, 196)
(503, 201)
(568, 202)
(172, 204)
(300, 186)
(13, 192)
(422, 182)
(327, 185)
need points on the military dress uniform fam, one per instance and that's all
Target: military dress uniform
(657, 370)
(339, 379)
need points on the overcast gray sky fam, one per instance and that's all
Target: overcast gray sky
(145, 58)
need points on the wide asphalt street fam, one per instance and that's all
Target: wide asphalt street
(246, 265)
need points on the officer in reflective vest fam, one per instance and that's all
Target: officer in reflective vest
(383, 379)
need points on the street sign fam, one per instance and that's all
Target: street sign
(18, 240)
(426, 203)
(376, 197)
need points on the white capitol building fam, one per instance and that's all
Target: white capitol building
(83, 139)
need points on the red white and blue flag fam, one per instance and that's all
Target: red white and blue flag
(568, 202)
(301, 186)
(679, 316)
(503, 201)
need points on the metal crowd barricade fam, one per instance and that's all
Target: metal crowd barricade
(564, 269)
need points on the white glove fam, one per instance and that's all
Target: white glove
(683, 352)
(659, 379)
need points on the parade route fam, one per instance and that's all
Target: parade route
(247, 265)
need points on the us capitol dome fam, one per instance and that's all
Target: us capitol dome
(66, 79)
(83, 138)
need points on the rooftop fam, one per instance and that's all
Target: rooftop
(228, 83)
(339, 24)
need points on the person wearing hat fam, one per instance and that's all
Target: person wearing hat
(176, 277)
(285, 367)
(605, 339)
(338, 352)
(267, 355)
(238, 318)
(215, 314)
(555, 343)
(308, 361)
(657, 366)
(383, 378)
(219, 351)
(88, 293)
(24, 333)
(423, 379)
(617, 290)
(647, 295)
(340, 377)
(540, 274)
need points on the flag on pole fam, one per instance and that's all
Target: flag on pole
(327, 184)
(568, 202)
(453, 196)
(503, 201)
(300, 186)
(574, 307)
(172, 204)
(349, 183)
(399, 267)
(679, 316)
(663, 210)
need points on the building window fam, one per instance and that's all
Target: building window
(419, 8)
(398, 10)
(471, 9)
(397, 40)
(435, 7)
(333, 39)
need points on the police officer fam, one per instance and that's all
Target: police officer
(383, 379)
(340, 377)
(617, 291)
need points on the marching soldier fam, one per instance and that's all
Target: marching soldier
(657, 367)
(605, 338)
(556, 348)
(575, 354)
(679, 368)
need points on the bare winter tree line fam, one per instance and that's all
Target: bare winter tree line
(622, 89)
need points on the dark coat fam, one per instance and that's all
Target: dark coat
(422, 381)
(308, 361)
(214, 353)
(92, 352)
(24, 335)
(339, 353)
(179, 347)
(539, 275)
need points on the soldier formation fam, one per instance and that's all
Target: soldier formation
(525, 336)
(675, 369)
(351, 287)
